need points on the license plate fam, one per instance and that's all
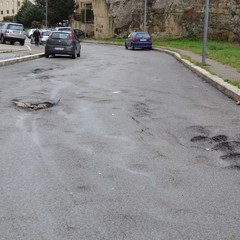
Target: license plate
(143, 40)
(59, 48)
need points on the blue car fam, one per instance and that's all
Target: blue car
(138, 40)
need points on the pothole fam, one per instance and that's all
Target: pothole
(227, 146)
(200, 139)
(231, 156)
(33, 106)
(220, 138)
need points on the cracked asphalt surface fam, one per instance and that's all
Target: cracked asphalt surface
(137, 147)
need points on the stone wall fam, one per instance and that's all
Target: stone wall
(168, 17)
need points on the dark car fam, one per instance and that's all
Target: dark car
(138, 40)
(80, 33)
(63, 43)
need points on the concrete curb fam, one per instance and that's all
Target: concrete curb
(224, 87)
(20, 59)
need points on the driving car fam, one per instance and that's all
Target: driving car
(138, 40)
(63, 43)
(12, 32)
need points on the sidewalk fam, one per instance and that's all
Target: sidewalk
(224, 71)
(10, 54)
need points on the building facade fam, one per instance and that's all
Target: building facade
(10, 8)
(77, 19)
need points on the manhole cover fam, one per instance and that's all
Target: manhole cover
(33, 106)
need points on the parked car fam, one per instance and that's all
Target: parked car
(138, 40)
(79, 33)
(63, 29)
(45, 33)
(30, 32)
(12, 32)
(63, 43)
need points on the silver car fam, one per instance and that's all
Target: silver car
(12, 32)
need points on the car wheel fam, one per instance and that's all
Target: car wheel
(79, 54)
(53, 55)
(74, 55)
(2, 40)
(46, 55)
(22, 43)
(11, 42)
(126, 47)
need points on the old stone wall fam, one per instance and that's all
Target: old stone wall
(170, 17)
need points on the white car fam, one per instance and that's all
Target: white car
(44, 36)
(30, 33)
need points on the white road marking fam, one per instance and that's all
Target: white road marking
(29, 48)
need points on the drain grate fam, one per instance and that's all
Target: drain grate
(33, 106)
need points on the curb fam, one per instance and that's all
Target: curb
(217, 82)
(20, 59)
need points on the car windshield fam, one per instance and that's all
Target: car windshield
(60, 35)
(47, 33)
(142, 35)
(15, 27)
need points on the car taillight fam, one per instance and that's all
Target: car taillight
(71, 36)
(134, 39)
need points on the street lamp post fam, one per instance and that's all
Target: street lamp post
(46, 13)
(85, 18)
(205, 33)
(13, 12)
(145, 16)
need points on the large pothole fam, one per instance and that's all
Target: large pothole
(33, 106)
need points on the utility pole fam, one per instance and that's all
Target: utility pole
(46, 13)
(85, 18)
(205, 34)
(13, 12)
(145, 16)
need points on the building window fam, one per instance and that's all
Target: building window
(13, 11)
(7, 11)
(2, 12)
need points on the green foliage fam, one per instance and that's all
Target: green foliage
(29, 13)
(59, 10)
(8, 18)
(234, 83)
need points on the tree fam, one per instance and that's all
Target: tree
(29, 13)
(58, 10)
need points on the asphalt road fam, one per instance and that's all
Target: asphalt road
(135, 147)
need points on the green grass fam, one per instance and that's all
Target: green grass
(223, 52)
(234, 83)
